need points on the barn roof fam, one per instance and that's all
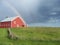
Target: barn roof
(7, 19)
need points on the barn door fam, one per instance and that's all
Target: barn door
(17, 25)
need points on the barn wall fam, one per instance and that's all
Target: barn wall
(5, 24)
(17, 23)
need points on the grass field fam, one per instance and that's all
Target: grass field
(32, 36)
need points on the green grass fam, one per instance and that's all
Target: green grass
(32, 36)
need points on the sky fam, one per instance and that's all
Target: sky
(32, 11)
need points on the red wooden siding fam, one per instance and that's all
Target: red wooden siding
(17, 23)
(5, 24)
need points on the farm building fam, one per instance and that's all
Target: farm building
(12, 22)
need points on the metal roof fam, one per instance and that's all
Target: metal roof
(7, 19)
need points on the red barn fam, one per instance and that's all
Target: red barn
(12, 22)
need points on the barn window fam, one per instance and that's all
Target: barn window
(8, 24)
(3, 24)
(14, 22)
(17, 25)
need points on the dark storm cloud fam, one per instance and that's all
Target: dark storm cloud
(48, 7)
